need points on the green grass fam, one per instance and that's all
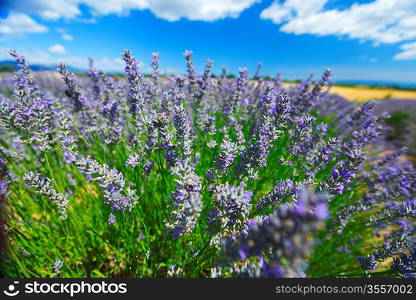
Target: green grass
(398, 123)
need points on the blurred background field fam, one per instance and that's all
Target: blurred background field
(363, 93)
(398, 103)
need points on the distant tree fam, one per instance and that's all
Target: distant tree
(7, 68)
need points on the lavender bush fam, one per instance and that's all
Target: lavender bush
(196, 176)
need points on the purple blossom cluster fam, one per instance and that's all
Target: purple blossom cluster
(276, 245)
(115, 192)
(44, 186)
(187, 199)
(4, 183)
(30, 113)
(73, 91)
(136, 83)
(231, 208)
(392, 193)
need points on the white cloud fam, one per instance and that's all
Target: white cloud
(380, 21)
(18, 24)
(409, 52)
(41, 57)
(290, 9)
(203, 10)
(64, 34)
(101, 63)
(46, 9)
(57, 48)
(171, 10)
(67, 37)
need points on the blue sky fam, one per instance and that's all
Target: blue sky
(359, 40)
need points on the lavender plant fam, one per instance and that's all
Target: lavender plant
(196, 176)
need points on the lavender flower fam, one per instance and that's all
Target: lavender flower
(230, 107)
(94, 75)
(44, 187)
(187, 199)
(190, 67)
(278, 235)
(4, 183)
(29, 114)
(183, 129)
(57, 266)
(136, 82)
(282, 190)
(111, 219)
(231, 208)
(116, 194)
(73, 91)
(155, 75)
(225, 158)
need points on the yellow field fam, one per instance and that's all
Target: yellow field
(363, 93)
